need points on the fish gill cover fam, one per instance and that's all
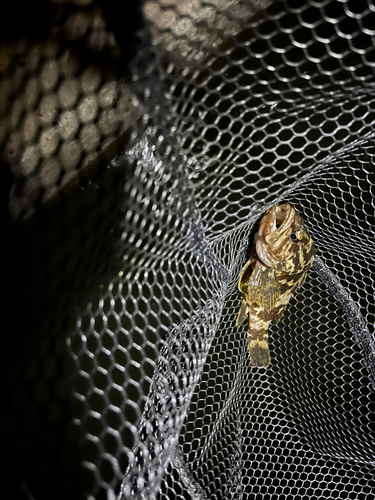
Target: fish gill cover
(139, 152)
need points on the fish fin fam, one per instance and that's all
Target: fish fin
(245, 275)
(279, 315)
(263, 288)
(242, 313)
(258, 351)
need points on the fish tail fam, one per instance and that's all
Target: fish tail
(258, 349)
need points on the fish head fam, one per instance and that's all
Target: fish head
(283, 241)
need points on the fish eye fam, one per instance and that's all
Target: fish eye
(293, 237)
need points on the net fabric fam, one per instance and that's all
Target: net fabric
(151, 393)
(64, 102)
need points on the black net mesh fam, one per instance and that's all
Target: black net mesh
(138, 148)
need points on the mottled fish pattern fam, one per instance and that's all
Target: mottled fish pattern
(280, 259)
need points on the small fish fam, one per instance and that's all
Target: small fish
(280, 259)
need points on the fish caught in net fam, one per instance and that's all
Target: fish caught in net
(137, 164)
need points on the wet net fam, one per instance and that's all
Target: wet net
(138, 149)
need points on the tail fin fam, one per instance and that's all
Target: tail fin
(259, 351)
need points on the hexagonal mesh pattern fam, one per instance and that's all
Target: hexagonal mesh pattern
(133, 187)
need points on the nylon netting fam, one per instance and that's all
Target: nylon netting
(139, 149)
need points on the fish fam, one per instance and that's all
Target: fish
(281, 256)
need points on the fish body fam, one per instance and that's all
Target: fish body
(280, 259)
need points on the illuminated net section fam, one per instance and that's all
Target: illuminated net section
(131, 210)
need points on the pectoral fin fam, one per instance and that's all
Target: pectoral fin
(279, 315)
(263, 287)
(245, 275)
(242, 313)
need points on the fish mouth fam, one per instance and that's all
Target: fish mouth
(278, 223)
